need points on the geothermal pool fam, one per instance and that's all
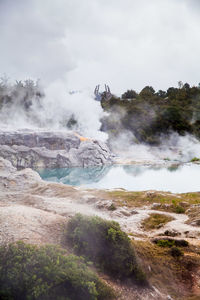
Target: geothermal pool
(176, 179)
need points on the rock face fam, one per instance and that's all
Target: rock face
(28, 149)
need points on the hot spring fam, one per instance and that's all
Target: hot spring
(176, 178)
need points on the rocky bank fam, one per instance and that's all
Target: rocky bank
(43, 149)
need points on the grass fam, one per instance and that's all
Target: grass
(166, 273)
(168, 201)
(155, 221)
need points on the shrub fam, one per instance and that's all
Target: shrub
(105, 244)
(179, 209)
(112, 207)
(155, 221)
(176, 252)
(195, 159)
(45, 273)
(165, 243)
(168, 242)
(181, 243)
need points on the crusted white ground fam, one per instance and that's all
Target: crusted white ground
(35, 211)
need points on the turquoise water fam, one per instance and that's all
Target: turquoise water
(177, 179)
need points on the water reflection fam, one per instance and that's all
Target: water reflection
(176, 178)
(75, 176)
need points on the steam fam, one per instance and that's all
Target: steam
(81, 106)
(28, 106)
(173, 148)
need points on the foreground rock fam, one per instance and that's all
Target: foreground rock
(26, 149)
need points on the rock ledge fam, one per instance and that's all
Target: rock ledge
(43, 149)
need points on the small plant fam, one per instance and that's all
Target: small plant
(176, 252)
(112, 207)
(181, 243)
(179, 209)
(166, 243)
(155, 221)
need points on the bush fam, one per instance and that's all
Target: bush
(155, 221)
(181, 243)
(45, 273)
(112, 207)
(105, 244)
(176, 252)
(179, 209)
(167, 242)
(195, 159)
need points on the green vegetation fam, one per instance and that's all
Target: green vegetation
(176, 252)
(167, 201)
(104, 243)
(168, 242)
(112, 207)
(155, 221)
(174, 276)
(165, 243)
(195, 159)
(46, 273)
(179, 209)
(149, 115)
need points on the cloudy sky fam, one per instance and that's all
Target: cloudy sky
(124, 43)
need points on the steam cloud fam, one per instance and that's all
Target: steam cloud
(28, 106)
(173, 148)
(53, 111)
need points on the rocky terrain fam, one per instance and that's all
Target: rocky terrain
(28, 149)
(36, 212)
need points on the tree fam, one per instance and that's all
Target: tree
(161, 94)
(147, 91)
(129, 94)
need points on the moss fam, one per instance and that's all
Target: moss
(155, 221)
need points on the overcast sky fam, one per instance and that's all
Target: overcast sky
(124, 43)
